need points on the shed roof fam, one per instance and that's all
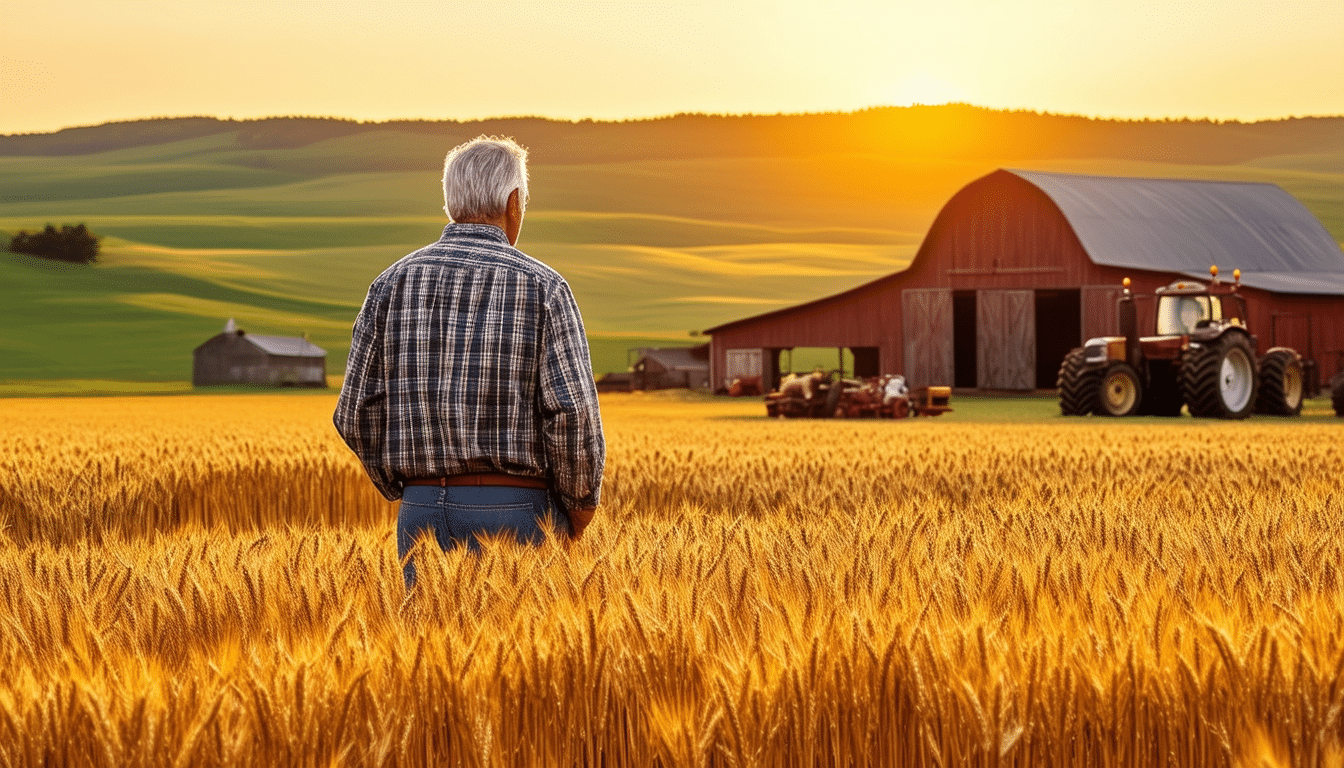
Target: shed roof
(288, 346)
(678, 358)
(1180, 225)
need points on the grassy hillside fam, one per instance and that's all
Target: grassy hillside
(661, 226)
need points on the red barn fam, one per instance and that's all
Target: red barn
(1019, 267)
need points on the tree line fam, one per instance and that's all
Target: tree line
(73, 244)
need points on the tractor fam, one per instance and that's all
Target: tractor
(1203, 357)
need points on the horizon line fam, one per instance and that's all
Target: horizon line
(674, 115)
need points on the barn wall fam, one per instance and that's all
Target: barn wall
(1001, 232)
(866, 320)
(1312, 325)
(1099, 310)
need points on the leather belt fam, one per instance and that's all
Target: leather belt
(482, 478)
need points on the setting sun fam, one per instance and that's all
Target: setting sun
(921, 87)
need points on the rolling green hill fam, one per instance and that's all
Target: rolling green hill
(661, 226)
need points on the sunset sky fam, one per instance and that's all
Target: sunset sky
(66, 62)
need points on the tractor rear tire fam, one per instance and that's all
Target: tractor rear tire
(1218, 378)
(1079, 388)
(1280, 383)
(1121, 391)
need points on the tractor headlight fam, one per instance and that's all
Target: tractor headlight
(1094, 351)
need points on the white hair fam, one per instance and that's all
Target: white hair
(479, 175)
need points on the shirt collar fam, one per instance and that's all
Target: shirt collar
(481, 231)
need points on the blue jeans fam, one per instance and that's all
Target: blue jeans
(457, 514)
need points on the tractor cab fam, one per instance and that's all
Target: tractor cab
(1187, 308)
(1182, 313)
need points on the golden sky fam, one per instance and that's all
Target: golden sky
(81, 62)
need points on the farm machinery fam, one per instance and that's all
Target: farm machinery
(827, 395)
(1203, 357)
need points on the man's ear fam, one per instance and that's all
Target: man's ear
(513, 216)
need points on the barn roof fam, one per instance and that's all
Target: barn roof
(288, 346)
(1179, 225)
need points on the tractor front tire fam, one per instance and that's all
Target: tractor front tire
(1280, 383)
(1079, 388)
(1121, 392)
(1337, 394)
(1218, 378)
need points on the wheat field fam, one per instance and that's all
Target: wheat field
(210, 580)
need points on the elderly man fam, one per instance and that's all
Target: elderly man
(468, 393)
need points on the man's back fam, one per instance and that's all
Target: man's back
(457, 340)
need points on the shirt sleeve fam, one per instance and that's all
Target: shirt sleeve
(361, 410)
(571, 422)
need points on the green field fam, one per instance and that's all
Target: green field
(662, 227)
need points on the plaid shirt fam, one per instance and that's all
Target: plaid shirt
(470, 356)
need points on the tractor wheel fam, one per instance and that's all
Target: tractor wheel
(1079, 388)
(900, 409)
(1280, 383)
(833, 409)
(1121, 391)
(1337, 394)
(1218, 378)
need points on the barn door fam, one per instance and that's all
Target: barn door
(926, 314)
(1005, 339)
(741, 364)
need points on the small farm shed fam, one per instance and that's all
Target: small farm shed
(662, 368)
(615, 381)
(1019, 267)
(239, 358)
(671, 368)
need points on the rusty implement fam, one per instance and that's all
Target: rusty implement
(745, 386)
(800, 396)
(931, 401)
(831, 396)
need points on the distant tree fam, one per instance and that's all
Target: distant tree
(73, 244)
